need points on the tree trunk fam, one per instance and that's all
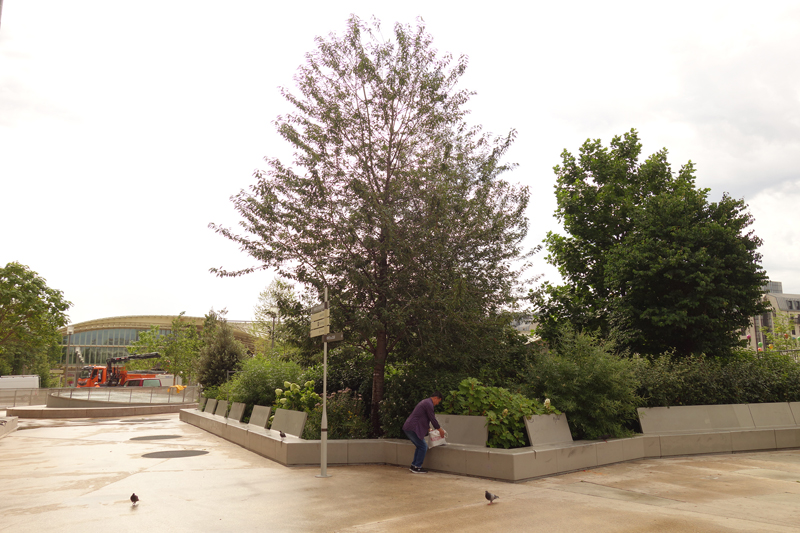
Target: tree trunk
(378, 373)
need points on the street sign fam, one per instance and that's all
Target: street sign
(320, 307)
(320, 323)
(320, 331)
(322, 314)
(333, 337)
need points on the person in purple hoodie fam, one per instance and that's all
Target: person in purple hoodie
(416, 427)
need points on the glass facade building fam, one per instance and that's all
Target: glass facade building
(95, 347)
(95, 341)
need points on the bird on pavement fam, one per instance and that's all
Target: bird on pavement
(282, 434)
(491, 497)
(134, 499)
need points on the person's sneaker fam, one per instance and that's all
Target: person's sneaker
(416, 470)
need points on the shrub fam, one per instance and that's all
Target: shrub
(296, 398)
(405, 386)
(505, 411)
(256, 382)
(346, 418)
(595, 387)
(748, 377)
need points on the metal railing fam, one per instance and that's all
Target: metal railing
(158, 395)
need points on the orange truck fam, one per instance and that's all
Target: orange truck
(116, 374)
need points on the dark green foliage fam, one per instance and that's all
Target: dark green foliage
(505, 411)
(395, 204)
(346, 417)
(584, 378)
(747, 377)
(221, 352)
(686, 278)
(406, 386)
(647, 255)
(258, 377)
(30, 315)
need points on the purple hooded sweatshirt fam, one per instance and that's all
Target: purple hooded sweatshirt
(420, 416)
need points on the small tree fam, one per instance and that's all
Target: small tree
(221, 352)
(179, 349)
(268, 326)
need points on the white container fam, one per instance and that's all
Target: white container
(19, 382)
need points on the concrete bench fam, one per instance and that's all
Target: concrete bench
(234, 430)
(211, 404)
(692, 429)
(464, 429)
(290, 422)
(260, 416)
(201, 404)
(550, 435)
(222, 408)
(237, 412)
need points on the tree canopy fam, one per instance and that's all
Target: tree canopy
(179, 349)
(220, 352)
(647, 255)
(394, 202)
(30, 315)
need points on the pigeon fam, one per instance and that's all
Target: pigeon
(134, 499)
(491, 497)
(2, 422)
(282, 434)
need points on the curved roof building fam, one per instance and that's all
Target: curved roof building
(94, 341)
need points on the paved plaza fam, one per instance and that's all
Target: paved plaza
(78, 474)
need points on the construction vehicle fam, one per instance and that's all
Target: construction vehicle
(115, 373)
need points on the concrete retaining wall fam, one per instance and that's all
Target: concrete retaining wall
(38, 411)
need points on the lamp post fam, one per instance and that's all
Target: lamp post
(70, 331)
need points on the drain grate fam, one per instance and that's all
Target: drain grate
(173, 454)
(157, 437)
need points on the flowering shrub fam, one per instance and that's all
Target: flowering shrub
(505, 411)
(346, 417)
(296, 398)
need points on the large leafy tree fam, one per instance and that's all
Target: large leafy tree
(30, 315)
(179, 349)
(647, 255)
(687, 277)
(394, 203)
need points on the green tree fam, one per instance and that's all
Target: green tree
(30, 315)
(179, 349)
(268, 327)
(781, 335)
(646, 254)
(221, 352)
(687, 277)
(398, 208)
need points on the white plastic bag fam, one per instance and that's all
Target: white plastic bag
(436, 439)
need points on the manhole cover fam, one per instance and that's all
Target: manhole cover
(157, 437)
(174, 454)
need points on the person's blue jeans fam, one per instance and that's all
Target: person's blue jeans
(421, 445)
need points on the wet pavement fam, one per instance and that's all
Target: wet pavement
(77, 475)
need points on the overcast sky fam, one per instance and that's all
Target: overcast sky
(125, 127)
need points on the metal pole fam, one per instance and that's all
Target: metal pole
(323, 460)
